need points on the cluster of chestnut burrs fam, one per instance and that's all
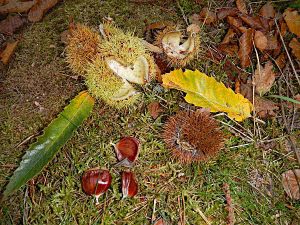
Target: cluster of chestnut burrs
(97, 181)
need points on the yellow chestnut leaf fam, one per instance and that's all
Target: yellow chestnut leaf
(204, 91)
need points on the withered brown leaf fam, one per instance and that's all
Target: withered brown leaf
(292, 19)
(154, 109)
(246, 47)
(295, 46)
(228, 37)
(235, 22)
(241, 5)
(15, 6)
(267, 10)
(260, 40)
(224, 12)
(252, 21)
(9, 50)
(37, 12)
(207, 16)
(265, 108)
(281, 60)
(11, 24)
(229, 49)
(263, 78)
(290, 182)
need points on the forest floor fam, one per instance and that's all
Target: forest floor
(37, 85)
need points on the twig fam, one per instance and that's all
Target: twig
(285, 48)
(203, 216)
(153, 212)
(229, 206)
(183, 14)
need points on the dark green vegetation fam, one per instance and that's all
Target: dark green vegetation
(37, 86)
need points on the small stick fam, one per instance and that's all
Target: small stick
(229, 206)
(153, 212)
(285, 48)
(183, 14)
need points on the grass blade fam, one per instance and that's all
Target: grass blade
(285, 98)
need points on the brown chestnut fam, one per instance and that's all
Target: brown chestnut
(129, 184)
(95, 182)
(127, 150)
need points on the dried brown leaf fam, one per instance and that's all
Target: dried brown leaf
(207, 16)
(15, 6)
(265, 108)
(224, 12)
(283, 28)
(253, 22)
(228, 37)
(241, 5)
(281, 60)
(295, 46)
(7, 53)
(290, 182)
(292, 19)
(11, 24)
(235, 22)
(267, 10)
(154, 109)
(260, 40)
(264, 78)
(246, 47)
(229, 205)
(229, 49)
(273, 43)
(64, 36)
(37, 12)
(159, 222)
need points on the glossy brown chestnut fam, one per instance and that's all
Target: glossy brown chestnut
(95, 182)
(129, 184)
(127, 148)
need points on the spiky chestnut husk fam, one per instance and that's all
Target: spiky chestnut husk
(178, 61)
(124, 48)
(193, 136)
(82, 48)
(102, 83)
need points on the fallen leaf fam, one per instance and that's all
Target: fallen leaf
(260, 40)
(292, 19)
(159, 222)
(224, 12)
(204, 91)
(246, 47)
(11, 24)
(281, 60)
(253, 22)
(15, 6)
(37, 12)
(264, 78)
(246, 90)
(228, 37)
(154, 109)
(241, 5)
(267, 10)
(261, 181)
(229, 49)
(295, 46)
(265, 108)
(273, 43)
(207, 16)
(290, 182)
(235, 22)
(229, 205)
(64, 36)
(9, 50)
(283, 28)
